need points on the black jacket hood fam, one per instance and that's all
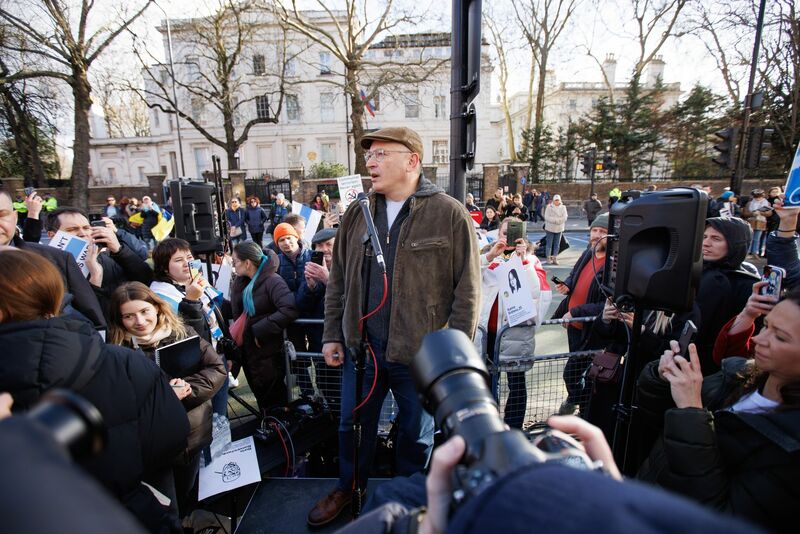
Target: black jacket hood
(738, 234)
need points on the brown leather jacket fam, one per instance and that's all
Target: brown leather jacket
(436, 282)
(205, 383)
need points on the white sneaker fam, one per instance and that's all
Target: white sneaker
(232, 382)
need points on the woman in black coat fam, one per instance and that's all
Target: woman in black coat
(260, 294)
(732, 440)
(42, 352)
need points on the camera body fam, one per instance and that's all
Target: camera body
(453, 384)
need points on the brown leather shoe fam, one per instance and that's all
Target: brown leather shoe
(329, 507)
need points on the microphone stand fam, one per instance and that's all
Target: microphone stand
(360, 369)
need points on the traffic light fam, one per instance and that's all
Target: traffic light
(727, 148)
(759, 141)
(608, 163)
(588, 162)
(598, 167)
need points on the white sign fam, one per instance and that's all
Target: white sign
(79, 248)
(349, 188)
(235, 467)
(515, 290)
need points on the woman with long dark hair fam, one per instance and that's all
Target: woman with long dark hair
(141, 319)
(260, 294)
(730, 439)
(491, 220)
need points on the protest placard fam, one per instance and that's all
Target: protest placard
(515, 287)
(349, 188)
(235, 467)
(79, 248)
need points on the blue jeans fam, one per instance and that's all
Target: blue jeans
(415, 431)
(755, 245)
(552, 243)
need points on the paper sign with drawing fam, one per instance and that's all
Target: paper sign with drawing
(235, 467)
(515, 288)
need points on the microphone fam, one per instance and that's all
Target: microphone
(373, 233)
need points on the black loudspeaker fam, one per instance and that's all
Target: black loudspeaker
(654, 254)
(196, 219)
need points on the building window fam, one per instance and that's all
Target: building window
(112, 174)
(324, 62)
(293, 155)
(573, 104)
(201, 157)
(259, 65)
(439, 103)
(441, 154)
(156, 118)
(142, 177)
(192, 69)
(262, 107)
(411, 101)
(291, 67)
(326, 110)
(328, 152)
(376, 101)
(292, 108)
(197, 109)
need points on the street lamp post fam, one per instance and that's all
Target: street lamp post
(174, 91)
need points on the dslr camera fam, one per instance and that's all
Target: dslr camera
(453, 384)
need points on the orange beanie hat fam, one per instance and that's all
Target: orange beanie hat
(284, 229)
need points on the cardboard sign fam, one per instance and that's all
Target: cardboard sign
(236, 466)
(79, 248)
(515, 289)
(349, 188)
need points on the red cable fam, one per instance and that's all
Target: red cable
(285, 450)
(374, 358)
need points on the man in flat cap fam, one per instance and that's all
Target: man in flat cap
(433, 277)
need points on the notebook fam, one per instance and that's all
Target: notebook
(181, 358)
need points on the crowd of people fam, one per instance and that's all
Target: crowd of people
(720, 419)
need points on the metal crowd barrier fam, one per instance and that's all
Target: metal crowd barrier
(528, 389)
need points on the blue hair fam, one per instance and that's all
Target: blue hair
(247, 294)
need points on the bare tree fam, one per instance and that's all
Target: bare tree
(501, 50)
(50, 39)
(125, 114)
(354, 30)
(542, 22)
(214, 73)
(656, 23)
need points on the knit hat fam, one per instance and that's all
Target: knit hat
(601, 221)
(284, 229)
(726, 195)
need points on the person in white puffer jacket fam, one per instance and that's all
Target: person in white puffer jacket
(555, 220)
(517, 342)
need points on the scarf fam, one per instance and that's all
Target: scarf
(152, 339)
(247, 294)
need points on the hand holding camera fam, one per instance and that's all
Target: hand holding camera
(684, 376)
(104, 235)
(33, 202)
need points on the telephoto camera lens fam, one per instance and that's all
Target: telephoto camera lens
(73, 421)
(453, 383)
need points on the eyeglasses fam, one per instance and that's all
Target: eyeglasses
(381, 153)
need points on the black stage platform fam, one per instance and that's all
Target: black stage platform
(280, 506)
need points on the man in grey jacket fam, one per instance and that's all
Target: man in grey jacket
(432, 281)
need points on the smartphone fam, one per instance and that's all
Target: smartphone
(689, 330)
(95, 217)
(29, 190)
(317, 257)
(774, 277)
(556, 280)
(515, 230)
(98, 224)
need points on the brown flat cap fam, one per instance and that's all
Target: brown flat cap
(405, 136)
